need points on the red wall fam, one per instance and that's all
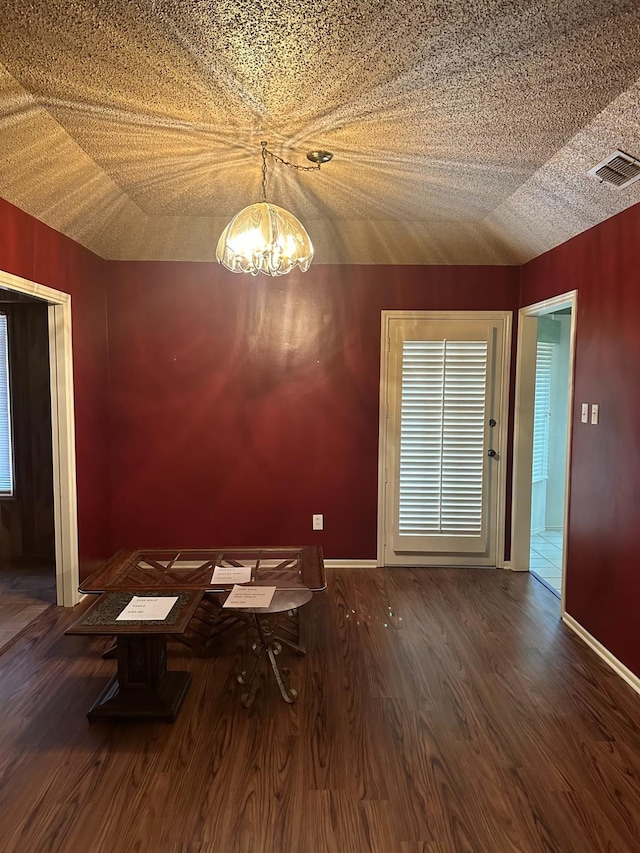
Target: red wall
(241, 406)
(36, 252)
(602, 581)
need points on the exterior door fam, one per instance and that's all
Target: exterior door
(443, 459)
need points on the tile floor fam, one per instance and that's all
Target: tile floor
(545, 560)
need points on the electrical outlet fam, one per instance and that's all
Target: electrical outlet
(318, 521)
(585, 413)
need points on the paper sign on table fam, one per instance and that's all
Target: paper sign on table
(250, 596)
(231, 574)
(146, 608)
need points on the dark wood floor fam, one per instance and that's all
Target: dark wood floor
(440, 710)
(25, 592)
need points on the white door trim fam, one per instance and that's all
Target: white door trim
(523, 427)
(502, 437)
(65, 500)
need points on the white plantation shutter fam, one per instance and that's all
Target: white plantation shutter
(6, 454)
(542, 410)
(442, 427)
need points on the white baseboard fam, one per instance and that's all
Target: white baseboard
(351, 564)
(602, 652)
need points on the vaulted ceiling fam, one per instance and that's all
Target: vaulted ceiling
(462, 132)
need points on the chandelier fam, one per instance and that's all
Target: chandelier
(264, 237)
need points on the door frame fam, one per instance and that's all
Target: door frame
(65, 501)
(502, 377)
(523, 426)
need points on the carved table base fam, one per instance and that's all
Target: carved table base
(142, 687)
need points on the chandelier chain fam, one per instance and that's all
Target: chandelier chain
(292, 165)
(275, 157)
(264, 171)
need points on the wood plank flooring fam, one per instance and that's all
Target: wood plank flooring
(25, 592)
(440, 710)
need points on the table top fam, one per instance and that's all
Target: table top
(284, 598)
(101, 617)
(132, 569)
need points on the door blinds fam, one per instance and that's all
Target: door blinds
(442, 437)
(542, 410)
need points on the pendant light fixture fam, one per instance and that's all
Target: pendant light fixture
(264, 237)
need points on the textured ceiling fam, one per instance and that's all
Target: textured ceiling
(462, 131)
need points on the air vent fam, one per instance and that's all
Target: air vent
(619, 169)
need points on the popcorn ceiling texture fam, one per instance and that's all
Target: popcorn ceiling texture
(461, 131)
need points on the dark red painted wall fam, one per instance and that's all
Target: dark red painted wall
(36, 252)
(241, 406)
(603, 580)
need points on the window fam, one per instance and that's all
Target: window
(6, 449)
(542, 410)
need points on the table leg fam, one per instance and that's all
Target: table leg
(112, 652)
(252, 679)
(267, 647)
(142, 687)
(292, 631)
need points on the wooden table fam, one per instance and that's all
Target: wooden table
(190, 569)
(142, 688)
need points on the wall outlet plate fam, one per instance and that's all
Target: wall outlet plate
(318, 521)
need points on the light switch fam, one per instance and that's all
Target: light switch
(585, 413)
(595, 411)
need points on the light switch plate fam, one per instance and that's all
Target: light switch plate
(595, 413)
(318, 521)
(585, 413)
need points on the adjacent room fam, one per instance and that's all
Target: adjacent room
(318, 434)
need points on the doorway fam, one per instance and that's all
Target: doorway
(544, 395)
(27, 553)
(444, 380)
(65, 529)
